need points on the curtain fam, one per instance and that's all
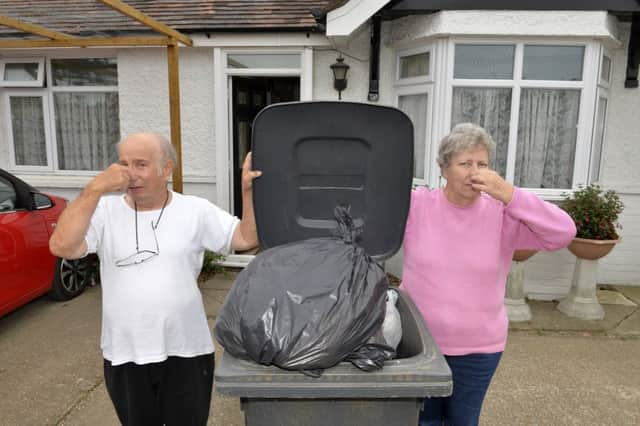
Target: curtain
(547, 132)
(415, 106)
(87, 129)
(27, 125)
(489, 108)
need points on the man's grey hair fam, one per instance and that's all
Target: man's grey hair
(463, 136)
(167, 151)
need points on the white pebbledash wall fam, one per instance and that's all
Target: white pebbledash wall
(621, 172)
(144, 106)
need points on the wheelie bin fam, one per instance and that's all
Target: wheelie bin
(314, 156)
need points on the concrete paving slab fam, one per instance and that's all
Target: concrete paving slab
(213, 300)
(631, 292)
(546, 318)
(225, 411)
(612, 297)
(219, 281)
(49, 358)
(94, 410)
(629, 326)
(565, 380)
(214, 291)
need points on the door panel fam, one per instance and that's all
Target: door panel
(25, 262)
(250, 95)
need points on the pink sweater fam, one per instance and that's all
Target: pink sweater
(456, 261)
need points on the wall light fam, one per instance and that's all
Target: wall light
(340, 70)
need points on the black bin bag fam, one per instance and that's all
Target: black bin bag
(308, 305)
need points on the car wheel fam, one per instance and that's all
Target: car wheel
(71, 278)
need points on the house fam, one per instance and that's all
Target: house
(554, 82)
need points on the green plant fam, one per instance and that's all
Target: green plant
(595, 212)
(212, 263)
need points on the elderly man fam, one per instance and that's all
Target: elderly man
(156, 343)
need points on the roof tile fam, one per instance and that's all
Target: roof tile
(90, 17)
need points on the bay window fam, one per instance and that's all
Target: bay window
(543, 101)
(528, 97)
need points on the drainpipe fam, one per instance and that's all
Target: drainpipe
(374, 61)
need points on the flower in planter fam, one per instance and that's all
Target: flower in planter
(595, 212)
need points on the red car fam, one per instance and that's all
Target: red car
(27, 268)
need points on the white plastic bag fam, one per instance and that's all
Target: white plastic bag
(392, 325)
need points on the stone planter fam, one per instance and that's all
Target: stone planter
(591, 249)
(514, 300)
(582, 300)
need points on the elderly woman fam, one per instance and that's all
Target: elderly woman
(458, 246)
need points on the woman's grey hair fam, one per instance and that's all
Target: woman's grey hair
(463, 136)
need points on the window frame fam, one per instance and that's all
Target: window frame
(602, 91)
(421, 89)
(39, 82)
(47, 92)
(10, 185)
(69, 89)
(587, 87)
(605, 83)
(403, 53)
(268, 72)
(419, 85)
(46, 116)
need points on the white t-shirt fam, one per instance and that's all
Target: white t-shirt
(154, 309)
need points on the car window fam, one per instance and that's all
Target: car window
(42, 201)
(7, 196)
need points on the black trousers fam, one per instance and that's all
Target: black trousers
(175, 392)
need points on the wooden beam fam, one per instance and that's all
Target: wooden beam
(33, 28)
(85, 42)
(173, 65)
(134, 13)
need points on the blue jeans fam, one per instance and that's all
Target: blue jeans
(471, 378)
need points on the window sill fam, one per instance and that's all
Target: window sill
(72, 181)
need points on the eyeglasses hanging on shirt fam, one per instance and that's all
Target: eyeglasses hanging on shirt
(141, 256)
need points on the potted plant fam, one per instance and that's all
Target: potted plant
(595, 213)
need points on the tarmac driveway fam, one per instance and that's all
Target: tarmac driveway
(51, 372)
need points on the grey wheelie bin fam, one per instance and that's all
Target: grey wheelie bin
(314, 156)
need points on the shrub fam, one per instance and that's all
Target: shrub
(212, 263)
(595, 212)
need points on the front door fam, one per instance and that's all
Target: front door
(250, 95)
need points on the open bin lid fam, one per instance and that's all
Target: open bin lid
(316, 155)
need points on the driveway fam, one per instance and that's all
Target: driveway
(51, 372)
(51, 364)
